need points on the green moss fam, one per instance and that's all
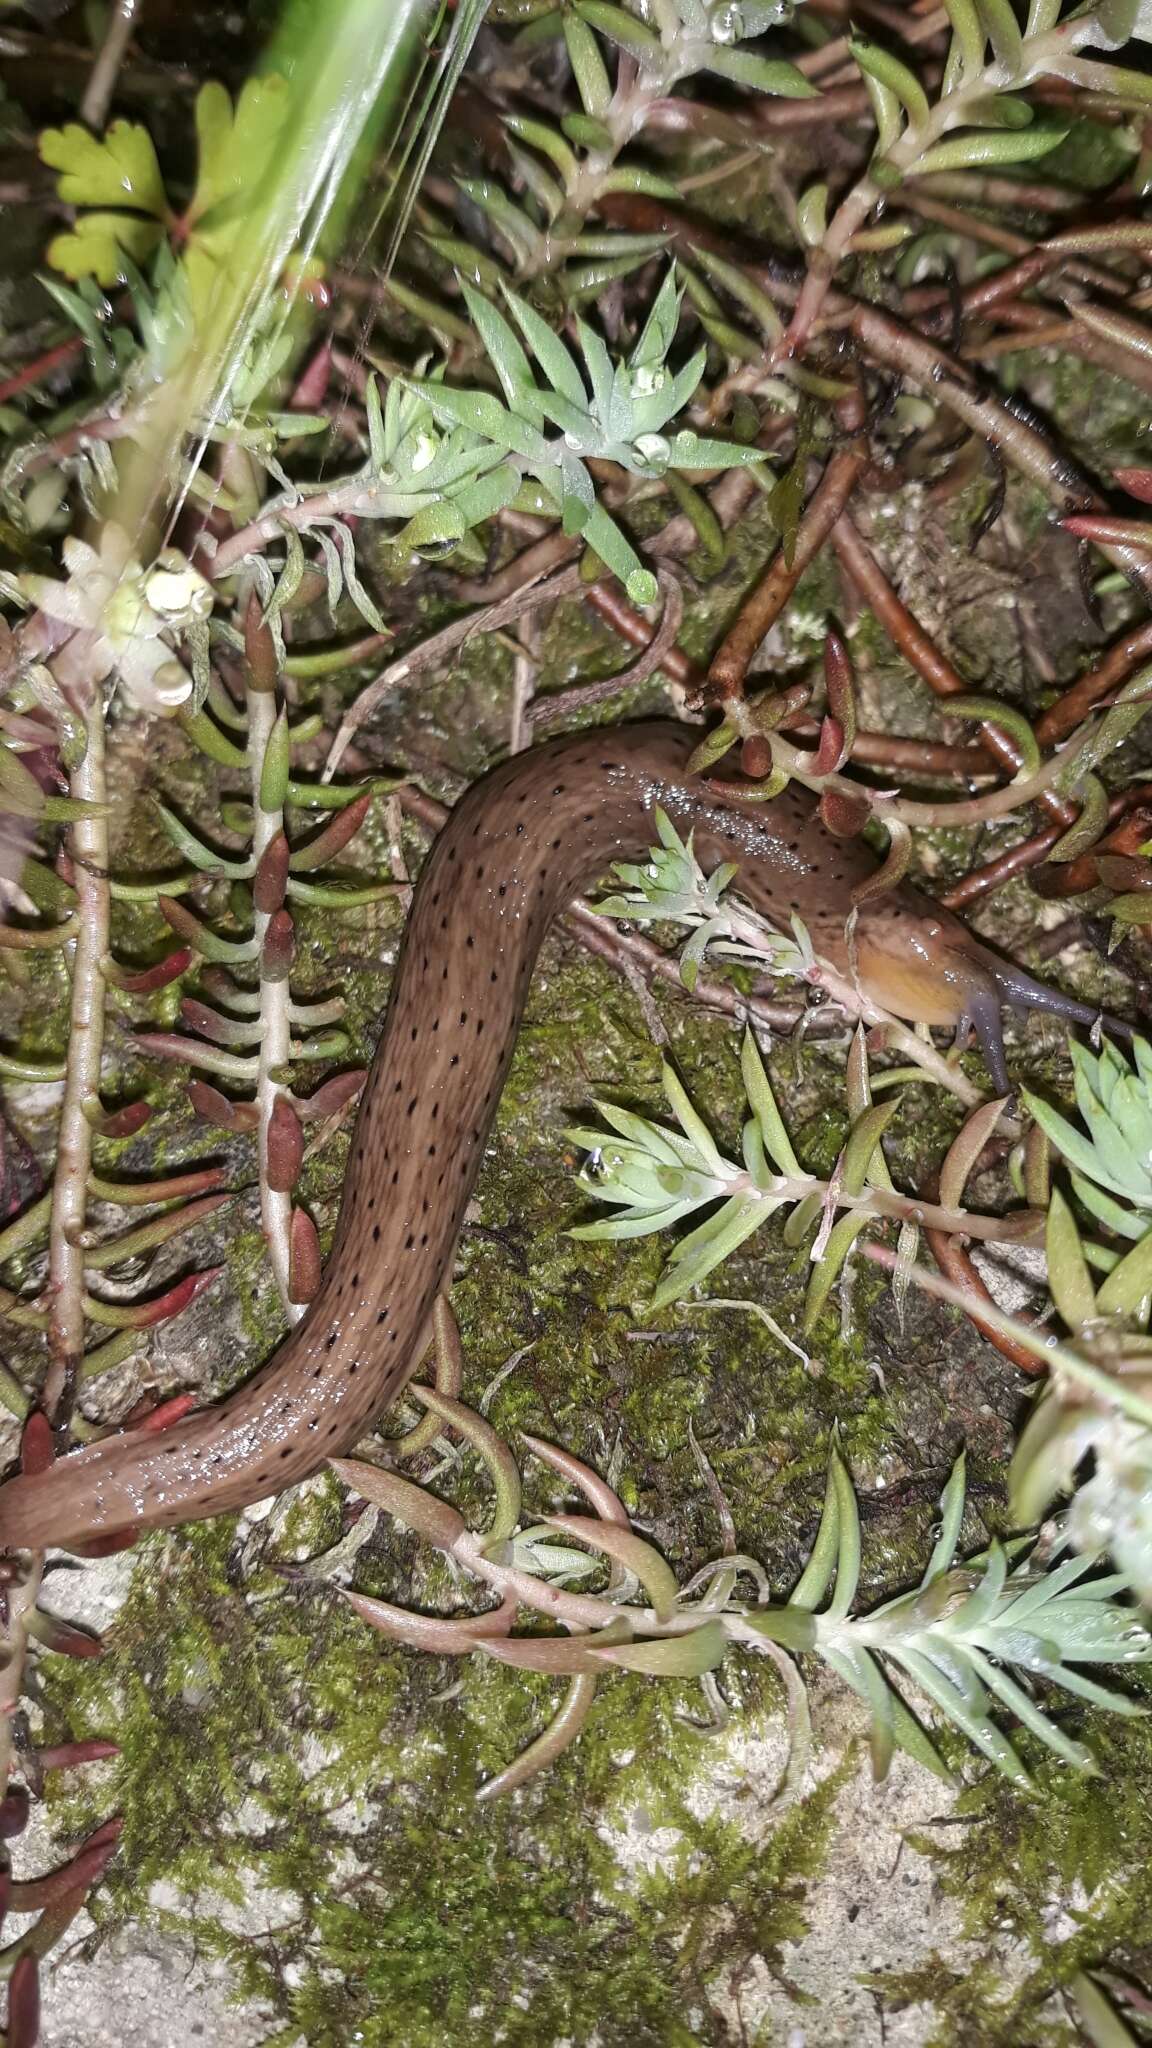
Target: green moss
(269, 1742)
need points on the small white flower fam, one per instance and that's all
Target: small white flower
(125, 611)
(177, 590)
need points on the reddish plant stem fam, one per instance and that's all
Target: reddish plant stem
(42, 366)
(925, 24)
(870, 749)
(1075, 877)
(1029, 854)
(531, 565)
(840, 104)
(1034, 260)
(922, 653)
(978, 188)
(994, 873)
(1108, 675)
(955, 1262)
(732, 660)
(1037, 329)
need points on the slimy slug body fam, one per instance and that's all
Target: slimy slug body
(520, 844)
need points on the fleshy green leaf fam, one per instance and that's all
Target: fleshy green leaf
(687, 1656)
(1068, 1275)
(878, 63)
(969, 32)
(987, 147)
(619, 26)
(587, 66)
(760, 74)
(1003, 30)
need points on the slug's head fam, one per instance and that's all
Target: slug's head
(925, 966)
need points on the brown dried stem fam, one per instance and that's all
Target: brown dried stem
(106, 70)
(570, 703)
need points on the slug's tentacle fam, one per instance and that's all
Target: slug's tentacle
(1022, 990)
(982, 1014)
(1001, 982)
(519, 845)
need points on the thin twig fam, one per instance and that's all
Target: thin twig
(525, 670)
(570, 703)
(955, 1262)
(1029, 853)
(106, 70)
(429, 653)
